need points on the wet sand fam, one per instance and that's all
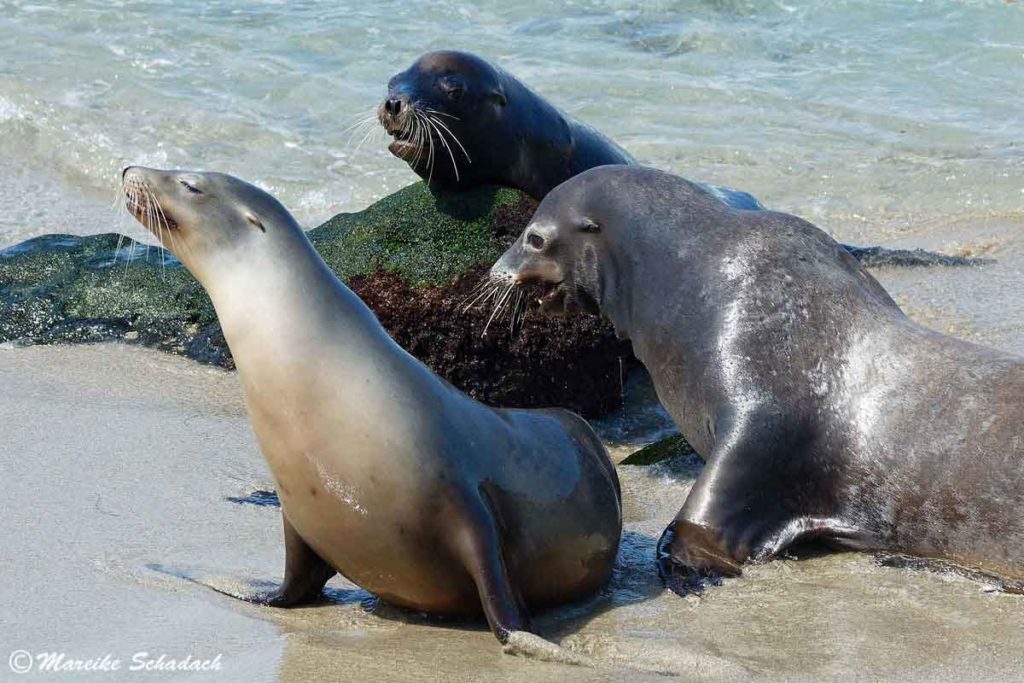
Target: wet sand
(118, 463)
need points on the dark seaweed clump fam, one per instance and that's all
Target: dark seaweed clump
(412, 256)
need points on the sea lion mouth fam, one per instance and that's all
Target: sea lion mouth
(552, 297)
(144, 206)
(406, 150)
(422, 136)
(401, 128)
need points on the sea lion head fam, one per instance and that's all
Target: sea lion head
(565, 248)
(206, 218)
(436, 109)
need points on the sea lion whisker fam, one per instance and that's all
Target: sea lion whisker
(371, 130)
(454, 137)
(515, 312)
(144, 208)
(499, 306)
(135, 204)
(523, 309)
(131, 253)
(423, 134)
(481, 284)
(367, 118)
(162, 224)
(441, 113)
(364, 130)
(451, 154)
(160, 219)
(494, 293)
(494, 310)
(413, 137)
(120, 200)
(483, 289)
(150, 217)
(430, 159)
(129, 207)
(170, 233)
(506, 304)
(485, 294)
(418, 135)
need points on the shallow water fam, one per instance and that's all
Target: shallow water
(118, 466)
(869, 118)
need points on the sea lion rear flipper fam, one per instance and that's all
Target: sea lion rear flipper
(746, 505)
(305, 573)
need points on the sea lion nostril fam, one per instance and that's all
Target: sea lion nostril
(393, 106)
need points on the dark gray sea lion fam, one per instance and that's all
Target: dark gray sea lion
(385, 472)
(460, 122)
(822, 411)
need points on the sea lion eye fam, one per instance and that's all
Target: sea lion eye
(589, 226)
(254, 221)
(452, 88)
(535, 241)
(191, 188)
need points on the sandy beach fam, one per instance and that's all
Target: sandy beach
(119, 463)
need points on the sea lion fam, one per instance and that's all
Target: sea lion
(460, 122)
(822, 411)
(385, 472)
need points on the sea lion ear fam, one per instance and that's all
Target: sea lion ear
(254, 220)
(499, 96)
(589, 226)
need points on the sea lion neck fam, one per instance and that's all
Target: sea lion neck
(636, 295)
(284, 297)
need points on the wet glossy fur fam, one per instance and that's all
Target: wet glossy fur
(822, 411)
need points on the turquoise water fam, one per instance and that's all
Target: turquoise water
(866, 117)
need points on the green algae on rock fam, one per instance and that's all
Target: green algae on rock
(658, 451)
(426, 240)
(413, 257)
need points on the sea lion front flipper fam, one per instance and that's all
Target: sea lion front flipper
(305, 573)
(690, 558)
(477, 544)
(752, 500)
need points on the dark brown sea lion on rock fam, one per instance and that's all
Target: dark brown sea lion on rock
(461, 122)
(823, 412)
(386, 473)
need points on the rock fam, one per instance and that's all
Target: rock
(413, 257)
(658, 451)
(880, 257)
